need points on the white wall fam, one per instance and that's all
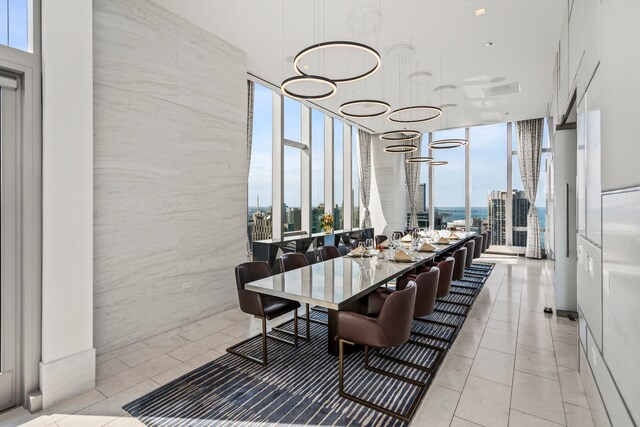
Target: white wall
(170, 108)
(68, 357)
(388, 189)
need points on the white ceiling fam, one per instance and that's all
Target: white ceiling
(442, 35)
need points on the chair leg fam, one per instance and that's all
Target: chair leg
(262, 361)
(295, 334)
(308, 323)
(264, 341)
(414, 404)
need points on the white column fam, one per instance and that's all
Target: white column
(305, 170)
(467, 181)
(68, 362)
(509, 202)
(432, 210)
(277, 185)
(328, 163)
(348, 202)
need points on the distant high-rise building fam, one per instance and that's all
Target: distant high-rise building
(294, 219)
(497, 204)
(316, 214)
(261, 226)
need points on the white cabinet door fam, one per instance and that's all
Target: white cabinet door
(581, 165)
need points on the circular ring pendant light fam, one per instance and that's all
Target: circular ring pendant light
(400, 148)
(436, 112)
(445, 144)
(420, 159)
(332, 88)
(400, 135)
(339, 44)
(364, 103)
(438, 163)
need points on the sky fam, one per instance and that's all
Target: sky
(488, 151)
(14, 28)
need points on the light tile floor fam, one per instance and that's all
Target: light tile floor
(511, 365)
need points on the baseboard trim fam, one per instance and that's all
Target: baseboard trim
(67, 377)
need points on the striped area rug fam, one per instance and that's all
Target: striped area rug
(300, 385)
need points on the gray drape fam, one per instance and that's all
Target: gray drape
(364, 146)
(412, 177)
(529, 135)
(250, 97)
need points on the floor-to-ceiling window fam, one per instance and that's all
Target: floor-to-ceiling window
(355, 180)
(303, 136)
(14, 23)
(292, 163)
(317, 169)
(338, 174)
(488, 154)
(449, 182)
(260, 169)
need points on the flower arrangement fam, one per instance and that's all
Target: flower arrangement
(326, 221)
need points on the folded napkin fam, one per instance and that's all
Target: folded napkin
(402, 256)
(443, 241)
(422, 234)
(407, 238)
(359, 251)
(427, 248)
(385, 244)
(454, 236)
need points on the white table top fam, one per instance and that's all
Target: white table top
(336, 283)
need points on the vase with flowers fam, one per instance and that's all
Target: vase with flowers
(326, 221)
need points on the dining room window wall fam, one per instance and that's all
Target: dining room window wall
(494, 197)
(299, 158)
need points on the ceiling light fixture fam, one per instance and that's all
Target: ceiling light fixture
(339, 44)
(481, 11)
(400, 135)
(365, 103)
(436, 112)
(400, 148)
(488, 44)
(419, 159)
(444, 144)
(438, 163)
(308, 79)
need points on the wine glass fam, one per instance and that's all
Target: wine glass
(369, 243)
(361, 244)
(396, 237)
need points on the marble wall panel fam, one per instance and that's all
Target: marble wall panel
(170, 173)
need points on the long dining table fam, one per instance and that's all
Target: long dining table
(341, 283)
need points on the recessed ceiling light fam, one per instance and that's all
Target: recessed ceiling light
(481, 12)
(488, 44)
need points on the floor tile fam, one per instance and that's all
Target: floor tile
(535, 337)
(484, 402)
(109, 367)
(201, 346)
(85, 421)
(459, 422)
(453, 372)
(466, 344)
(502, 326)
(577, 416)
(572, 388)
(537, 396)
(132, 376)
(536, 361)
(493, 365)
(142, 355)
(498, 340)
(437, 408)
(202, 331)
(186, 367)
(125, 422)
(112, 406)
(567, 355)
(520, 419)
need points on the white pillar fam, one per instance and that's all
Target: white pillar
(67, 366)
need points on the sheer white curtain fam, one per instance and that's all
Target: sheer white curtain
(364, 145)
(529, 135)
(412, 175)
